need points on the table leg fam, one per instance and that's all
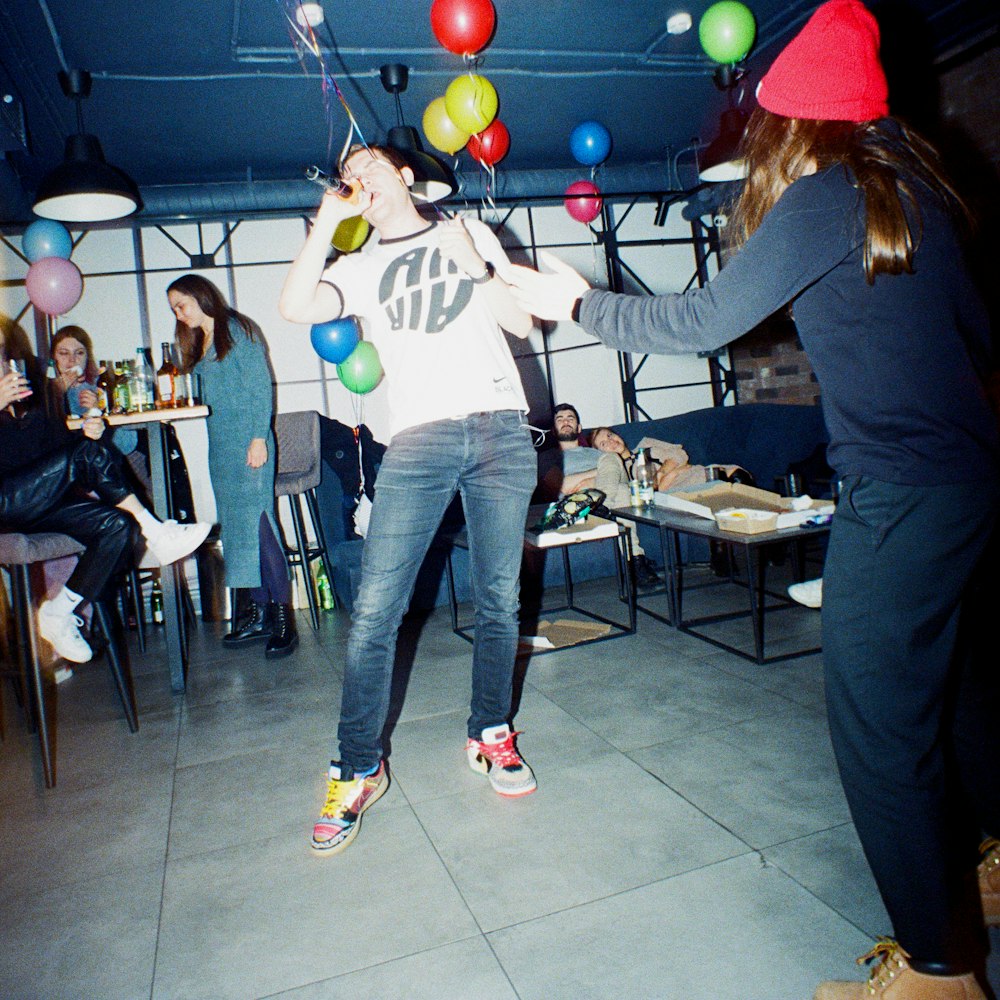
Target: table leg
(755, 581)
(172, 607)
(626, 577)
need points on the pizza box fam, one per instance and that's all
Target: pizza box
(707, 501)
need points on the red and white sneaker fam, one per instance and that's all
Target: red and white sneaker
(497, 757)
(346, 799)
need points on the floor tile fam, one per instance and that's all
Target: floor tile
(768, 779)
(270, 916)
(464, 970)
(94, 938)
(734, 931)
(589, 831)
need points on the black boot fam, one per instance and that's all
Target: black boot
(253, 622)
(284, 637)
(645, 572)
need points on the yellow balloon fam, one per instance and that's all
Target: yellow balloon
(471, 102)
(350, 233)
(442, 133)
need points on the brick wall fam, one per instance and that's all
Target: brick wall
(771, 366)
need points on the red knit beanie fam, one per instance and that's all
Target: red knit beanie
(830, 70)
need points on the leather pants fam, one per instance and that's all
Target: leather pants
(51, 495)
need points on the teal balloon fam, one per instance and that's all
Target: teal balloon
(726, 31)
(46, 238)
(362, 371)
(335, 341)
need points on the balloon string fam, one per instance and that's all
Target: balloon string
(304, 38)
(489, 205)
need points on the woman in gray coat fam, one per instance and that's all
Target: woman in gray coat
(221, 347)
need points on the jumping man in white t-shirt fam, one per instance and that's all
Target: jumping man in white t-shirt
(435, 302)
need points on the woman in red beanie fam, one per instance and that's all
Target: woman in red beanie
(847, 216)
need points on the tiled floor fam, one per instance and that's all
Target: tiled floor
(688, 841)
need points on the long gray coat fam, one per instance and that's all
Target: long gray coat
(239, 393)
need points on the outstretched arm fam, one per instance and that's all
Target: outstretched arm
(305, 298)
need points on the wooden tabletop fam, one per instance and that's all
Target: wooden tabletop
(146, 417)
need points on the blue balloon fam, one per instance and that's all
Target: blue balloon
(335, 341)
(590, 143)
(46, 238)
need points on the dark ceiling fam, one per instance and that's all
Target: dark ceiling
(195, 92)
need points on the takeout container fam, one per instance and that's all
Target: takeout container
(708, 501)
(746, 521)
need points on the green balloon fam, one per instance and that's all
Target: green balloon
(362, 370)
(726, 31)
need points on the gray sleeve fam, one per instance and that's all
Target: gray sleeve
(809, 232)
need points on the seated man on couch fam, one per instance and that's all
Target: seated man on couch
(573, 465)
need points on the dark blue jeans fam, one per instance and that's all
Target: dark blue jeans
(909, 606)
(487, 458)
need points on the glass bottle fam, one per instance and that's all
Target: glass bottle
(105, 386)
(145, 381)
(166, 380)
(156, 602)
(644, 476)
(326, 598)
(122, 397)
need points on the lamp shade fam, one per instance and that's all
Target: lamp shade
(719, 161)
(433, 180)
(84, 187)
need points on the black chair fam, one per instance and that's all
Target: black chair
(298, 474)
(18, 554)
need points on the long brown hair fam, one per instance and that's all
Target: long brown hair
(211, 303)
(886, 162)
(77, 333)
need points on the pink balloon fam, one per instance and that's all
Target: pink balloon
(583, 209)
(54, 285)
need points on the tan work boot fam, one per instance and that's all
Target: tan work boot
(893, 979)
(989, 881)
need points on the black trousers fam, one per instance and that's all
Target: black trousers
(913, 702)
(51, 495)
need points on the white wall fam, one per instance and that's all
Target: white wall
(126, 274)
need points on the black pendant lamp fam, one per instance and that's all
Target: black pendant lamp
(719, 161)
(84, 187)
(433, 179)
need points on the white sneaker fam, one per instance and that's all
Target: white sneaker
(809, 593)
(62, 632)
(172, 541)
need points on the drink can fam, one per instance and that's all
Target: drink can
(635, 493)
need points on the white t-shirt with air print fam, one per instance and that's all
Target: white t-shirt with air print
(443, 353)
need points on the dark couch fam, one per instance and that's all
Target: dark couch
(768, 439)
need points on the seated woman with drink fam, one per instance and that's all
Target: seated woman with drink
(53, 480)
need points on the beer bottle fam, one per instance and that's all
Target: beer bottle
(105, 387)
(166, 381)
(156, 602)
(123, 401)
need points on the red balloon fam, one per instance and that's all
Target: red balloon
(583, 209)
(491, 145)
(463, 26)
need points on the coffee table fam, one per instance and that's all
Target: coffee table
(671, 524)
(595, 530)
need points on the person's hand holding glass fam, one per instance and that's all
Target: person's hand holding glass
(14, 385)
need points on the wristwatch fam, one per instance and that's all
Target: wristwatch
(487, 275)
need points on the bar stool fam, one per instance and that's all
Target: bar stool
(18, 553)
(299, 468)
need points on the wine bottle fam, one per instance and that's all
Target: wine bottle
(166, 381)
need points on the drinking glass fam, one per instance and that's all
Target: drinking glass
(18, 366)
